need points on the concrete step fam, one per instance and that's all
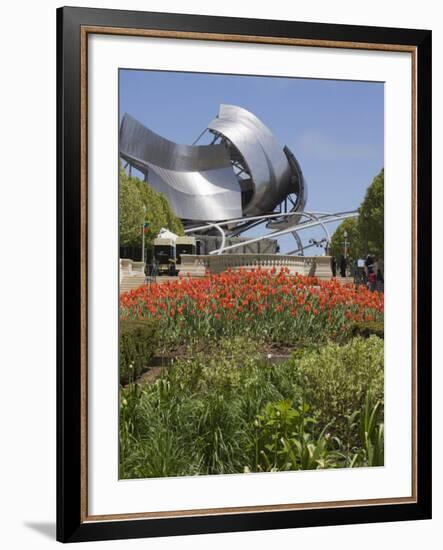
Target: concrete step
(129, 283)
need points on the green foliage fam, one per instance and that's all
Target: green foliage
(195, 413)
(335, 379)
(366, 233)
(138, 340)
(372, 432)
(131, 212)
(366, 328)
(230, 410)
(354, 249)
(285, 439)
(368, 448)
(139, 202)
(158, 211)
(371, 217)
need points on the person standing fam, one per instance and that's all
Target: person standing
(334, 266)
(380, 281)
(369, 264)
(372, 280)
(343, 265)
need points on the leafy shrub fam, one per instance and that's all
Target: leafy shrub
(230, 410)
(203, 407)
(372, 432)
(364, 443)
(335, 379)
(138, 340)
(366, 328)
(285, 441)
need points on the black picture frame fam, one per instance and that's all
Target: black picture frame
(72, 525)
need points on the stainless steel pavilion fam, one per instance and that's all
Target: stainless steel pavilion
(243, 178)
(243, 172)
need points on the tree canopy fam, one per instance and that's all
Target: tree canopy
(354, 249)
(365, 233)
(371, 217)
(140, 203)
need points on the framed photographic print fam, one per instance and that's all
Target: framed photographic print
(244, 274)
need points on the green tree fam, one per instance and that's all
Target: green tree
(354, 248)
(158, 211)
(371, 218)
(140, 203)
(365, 233)
(130, 211)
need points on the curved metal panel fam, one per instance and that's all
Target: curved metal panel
(265, 159)
(299, 186)
(198, 181)
(142, 144)
(198, 195)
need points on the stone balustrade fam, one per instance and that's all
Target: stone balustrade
(129, 268)
(196, 266)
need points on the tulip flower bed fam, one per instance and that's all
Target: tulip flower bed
(261, 304)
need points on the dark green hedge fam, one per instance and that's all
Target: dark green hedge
(366, 329)
(138, 340)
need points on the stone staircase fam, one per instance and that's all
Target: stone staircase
(129, 283)
(131, 275)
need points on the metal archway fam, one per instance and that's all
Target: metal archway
(317, 219)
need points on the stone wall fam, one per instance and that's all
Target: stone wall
(196, 266)
(132, 275)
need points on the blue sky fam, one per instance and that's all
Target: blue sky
(334, 128)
